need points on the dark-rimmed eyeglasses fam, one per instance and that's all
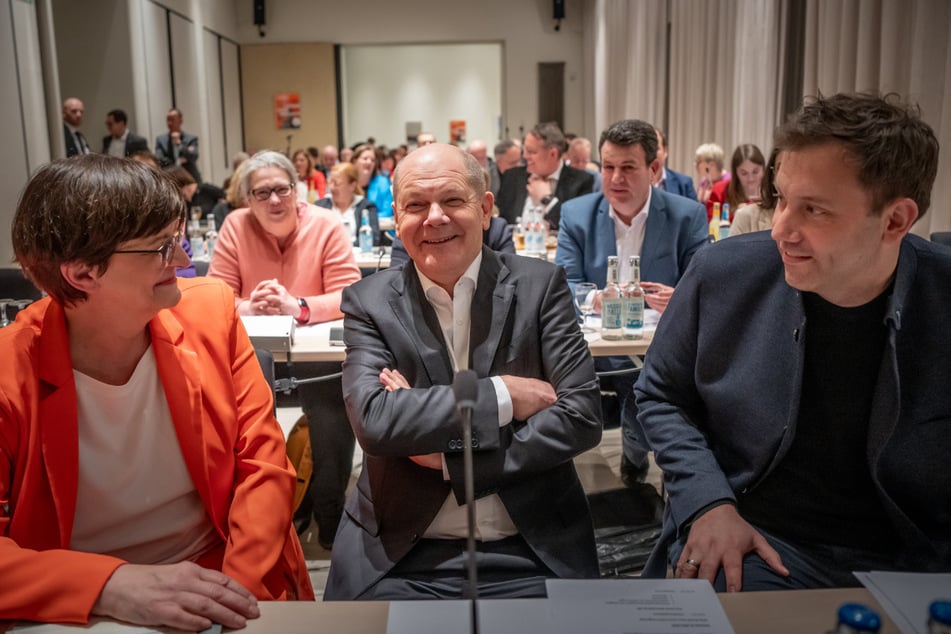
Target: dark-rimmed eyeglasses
(167, 250)
(264, 194)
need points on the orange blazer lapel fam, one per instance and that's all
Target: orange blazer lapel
(180, 372)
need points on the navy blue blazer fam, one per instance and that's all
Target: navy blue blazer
(680, 184)
(676, 228)
(719, 394)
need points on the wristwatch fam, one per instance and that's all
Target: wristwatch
(304, 312)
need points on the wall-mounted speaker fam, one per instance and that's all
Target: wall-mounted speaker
(558, 9)
(259, 13)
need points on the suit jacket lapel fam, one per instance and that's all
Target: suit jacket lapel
(59, 435)
(180, 372)
(657, 226)
(419, 320)
(485, 330)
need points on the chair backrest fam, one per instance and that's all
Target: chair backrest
(942, 237)
(13, 284)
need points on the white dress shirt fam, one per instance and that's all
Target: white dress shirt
(629, 239)
(553, 181)
(492, 521)
(117, 146)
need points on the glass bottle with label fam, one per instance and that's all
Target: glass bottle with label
(725, 222)
(715, 222)
(366, 233)
(211, 235)
(611, 304)
(632, 315)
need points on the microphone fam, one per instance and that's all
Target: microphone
(465, 387)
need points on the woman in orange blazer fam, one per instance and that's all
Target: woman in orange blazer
(102, 237)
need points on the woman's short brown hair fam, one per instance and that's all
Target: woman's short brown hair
(81, 209)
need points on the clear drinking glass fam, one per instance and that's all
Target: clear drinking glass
(584, 298)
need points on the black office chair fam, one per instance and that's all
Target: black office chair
(942, 237)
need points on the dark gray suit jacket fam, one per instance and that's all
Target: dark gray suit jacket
(188, 150)
(523, 323)
(512, 193)
(133, 143)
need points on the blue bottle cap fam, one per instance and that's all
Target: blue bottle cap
(940, 611)
(859, 617)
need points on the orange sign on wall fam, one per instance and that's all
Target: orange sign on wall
(457, 131)
(287, 110)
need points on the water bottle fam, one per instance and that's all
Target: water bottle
(632, 315)
(366, 233)
(611, 304)
(195, 238)
(211, 236)
(725, 222)
(855, 617)
(939, 617)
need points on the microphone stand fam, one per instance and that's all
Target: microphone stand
(465, 387)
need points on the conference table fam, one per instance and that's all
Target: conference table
(312, 343)
(786, 612)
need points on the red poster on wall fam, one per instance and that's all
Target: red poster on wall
(457, 131)
(287, 110)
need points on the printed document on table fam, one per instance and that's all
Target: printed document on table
(621, 606)
(906, 596)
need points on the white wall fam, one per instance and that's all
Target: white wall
(524, 27)
(386, 86)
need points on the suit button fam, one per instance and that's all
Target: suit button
(475, 443)
(415, 538)
(452, 444)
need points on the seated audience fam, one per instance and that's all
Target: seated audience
(667, 179)
(459, 305)
(629, 218)
(187, 186)
(311, 183)
(143, 476)
(758, 216)
(796, 391)
(708, 161)
(346, 198)
(746, 176)
(286, 257)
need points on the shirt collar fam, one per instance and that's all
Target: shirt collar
(469, 277)
(642, 213)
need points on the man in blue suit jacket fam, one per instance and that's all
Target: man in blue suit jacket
(664, 229)
(668, 180)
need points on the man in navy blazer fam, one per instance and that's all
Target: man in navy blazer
(668, 180)
(796, 391)
(663, 229)
(510, 319)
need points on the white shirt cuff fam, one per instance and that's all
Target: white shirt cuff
(504, 401)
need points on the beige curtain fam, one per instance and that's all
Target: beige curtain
(888, 46)
(724, 73)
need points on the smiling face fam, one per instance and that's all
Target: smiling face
(342, 189)
(539, 159)
(626, 177)
(365, 164)
(439, 216)
(277, 215)
(830, 241)
(139, 283)
(302, 165)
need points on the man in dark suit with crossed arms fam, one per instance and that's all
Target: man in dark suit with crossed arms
(458, 305)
